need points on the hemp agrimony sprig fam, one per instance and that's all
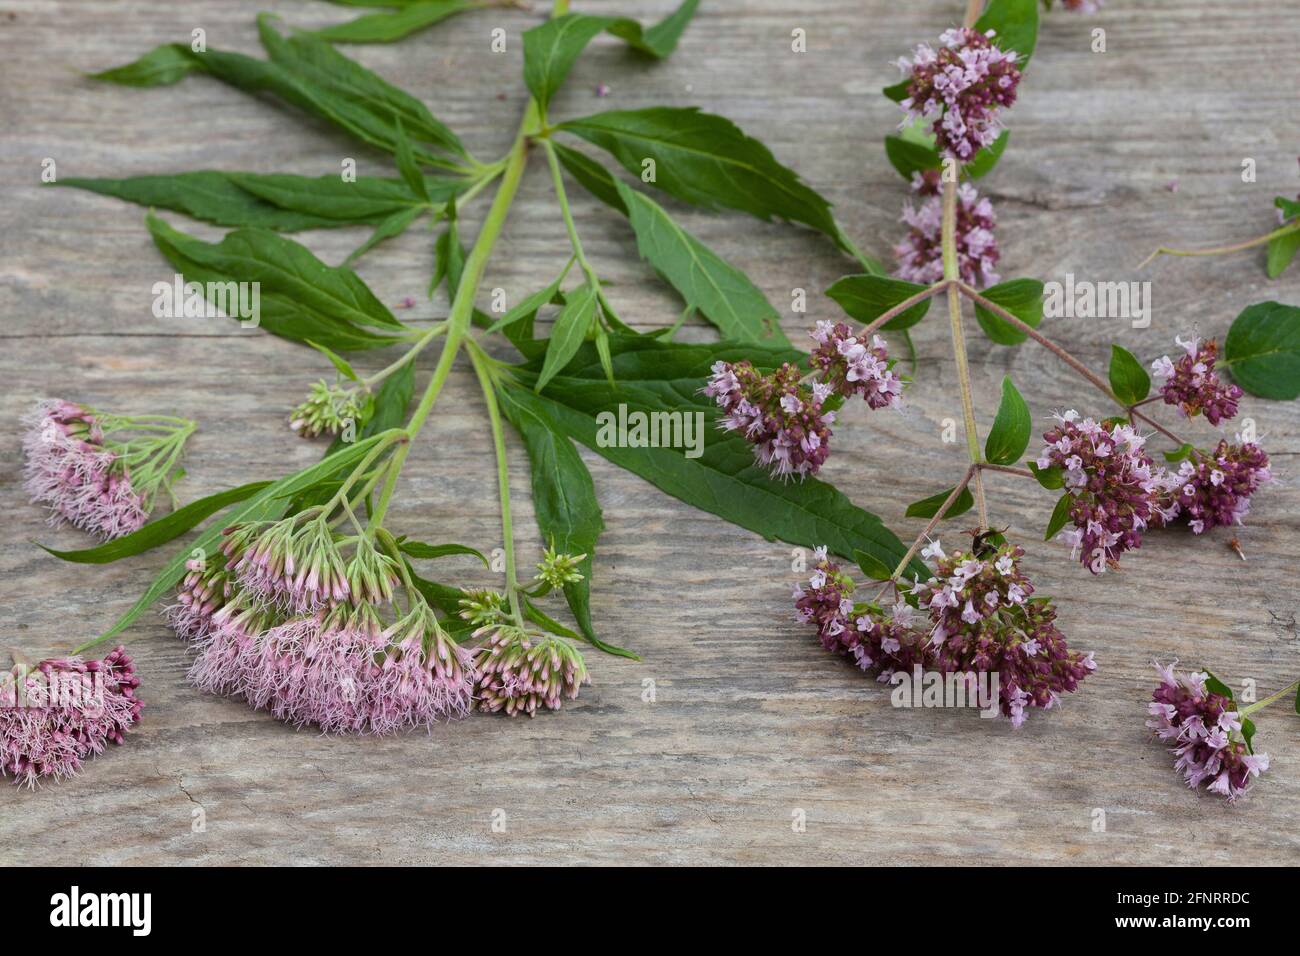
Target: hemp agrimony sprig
(301, 599)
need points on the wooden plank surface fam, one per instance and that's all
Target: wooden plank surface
(752, 722)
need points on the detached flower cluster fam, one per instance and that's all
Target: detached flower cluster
(99, 472)
(920, 254)
(975, 615)
(785, 417)
(1200, 726)
(63, 713)
(330, 408)
(291, 621)
(961, 86)
(1193, 386)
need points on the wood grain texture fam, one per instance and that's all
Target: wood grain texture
(752, 720)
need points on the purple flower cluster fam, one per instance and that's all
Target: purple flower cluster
(1200, 726)
(1118, 491)
(864, 632)
(1214, 488)
(975, 616)
(520, 672)
(920, 254)
(962, 86)
(984, 621)
(776, 413)
(69, 469)
(1192, 384)
(852, 367)
(63, 713)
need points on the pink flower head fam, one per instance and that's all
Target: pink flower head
(70, 469)
(202, 592)
(293, 564)
(1199, 725)
(776, 413)
(961, 87)
(852, 367)
(519, 671)
(920, 254)
(1118, 491)
(63, 713)
(426, 677)
(983, 620)
(1192, 384)
(826, 604)
(1215, 488)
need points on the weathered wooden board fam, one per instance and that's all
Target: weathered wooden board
(752, 722)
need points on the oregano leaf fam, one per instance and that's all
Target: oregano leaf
(1262, 350)
(1023, 298)
(1009, 436)
(872, 566)
(1060, 515)
(1128, 379)
(1051, 477)
(866, 297)
(929, 507)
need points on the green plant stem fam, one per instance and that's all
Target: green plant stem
(1006, 469)
(416, 348)
(487, 382)
(1067, 358)
(948, 502)
(1260, 704)
(903, 306)
(1285, 230)
(561, 196)
(462, 306)
(951, 274)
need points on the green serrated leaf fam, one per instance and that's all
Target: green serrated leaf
(656, 376)
(1128, 379)
(1262, 350)
(929, 507)
(867, 297)
(1023, 298)
(161, 530)
(1009, 436)
(705, 160)
(568, 333)
(1060, 515)
(723, 294)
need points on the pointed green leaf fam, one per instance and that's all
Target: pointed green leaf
(722, 293)
(1052, 478)
(705, 160)
(161, 66)
(406, 164)
(336, 360)
(389, 26)
(593, 177)
(161, 530)
(929, 507)
(867, 297)
(1015, 26)
(1009, 436)
(421, 551)
(393, 226)
(1128, 379)
(531, 304)
(1023, 298)
(1060, 515)
(568, 333)
(872, 566)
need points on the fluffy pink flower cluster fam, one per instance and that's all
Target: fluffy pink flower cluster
(1200, 726)
(286, 621)
(63, 713)
(975, 616)
(1193, 386)
(520, 672)
(983, 621)
(1118, 491)
(70, 469)
(920, 254)
(776, 413)
(852, 367)
(962, 86)
(1214, 488)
